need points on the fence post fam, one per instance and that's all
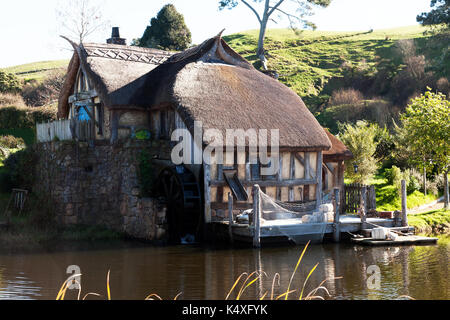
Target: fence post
(404, 207)
(256, 217)
(337, 224)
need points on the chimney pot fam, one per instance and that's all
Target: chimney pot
(115, 37)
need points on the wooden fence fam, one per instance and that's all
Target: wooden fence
(65, 130)
(356, 196)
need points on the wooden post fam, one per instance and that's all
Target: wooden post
(207, 193)
(230, 216)
(319, 179)
(363, 207)
(256, 217)
(337, 224)
(404, 207)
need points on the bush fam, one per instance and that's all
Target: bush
(20, 167)
(9, 83)
(12, 117)
(38, 94)
(11, 99)
(345, 96)
(11, 142)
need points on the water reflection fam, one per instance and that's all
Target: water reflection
(209, 273)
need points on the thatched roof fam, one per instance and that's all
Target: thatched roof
(338, 151)
(110, 68)
(213, 84)
(210, 83)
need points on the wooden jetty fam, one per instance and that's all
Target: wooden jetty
(404, 240)
(260, 231)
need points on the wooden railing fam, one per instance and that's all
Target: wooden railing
(63, 130)
(357, 196)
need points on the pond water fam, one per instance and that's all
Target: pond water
(199, 272)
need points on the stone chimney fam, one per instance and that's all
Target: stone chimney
(115, 37)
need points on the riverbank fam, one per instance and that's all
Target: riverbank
(431, 222)
(35, 227)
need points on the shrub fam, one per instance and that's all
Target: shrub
(345, 96)
(9, 83)
(11, 99)
(443, 85)
(20, 167)
(11, 142)
(40, 94)
(12, 117)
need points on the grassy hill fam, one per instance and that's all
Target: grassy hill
(311, 62)
(36, 70)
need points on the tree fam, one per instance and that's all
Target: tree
(360, 140)
(167, 31)
(79, 19)
(303, 8)
(439, 15)
(426, 124)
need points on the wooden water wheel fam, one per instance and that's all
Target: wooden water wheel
(181, 190)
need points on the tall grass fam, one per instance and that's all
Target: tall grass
(242, 283)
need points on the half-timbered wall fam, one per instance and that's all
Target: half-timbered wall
(296, 181)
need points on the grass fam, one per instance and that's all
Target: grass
(37, 70)
(435, 222)
(308, 61)
(388, 198)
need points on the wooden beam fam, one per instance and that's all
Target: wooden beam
(337, 224)
(307, 167)
(230, 216)
(404, 206)
(270, 183)
(83, 96)
(329, 167)
(319, 179)
(299, 158)
(256, 217)
(207, 194)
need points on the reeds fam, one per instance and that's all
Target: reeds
(242, 283)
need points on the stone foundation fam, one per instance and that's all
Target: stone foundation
(99, 185)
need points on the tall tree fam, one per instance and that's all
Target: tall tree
(439, 14)
(167, 31)
(361, 141)
(426, 125)
(303, 8)
(79, 19)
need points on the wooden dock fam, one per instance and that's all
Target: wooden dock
(293, 229)
(402, 240)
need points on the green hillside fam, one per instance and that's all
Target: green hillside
(36, 70)
(311, 62)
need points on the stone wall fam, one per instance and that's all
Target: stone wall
(99, 185)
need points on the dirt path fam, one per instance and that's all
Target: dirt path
(435, 205)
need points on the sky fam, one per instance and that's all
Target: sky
(30, 33)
